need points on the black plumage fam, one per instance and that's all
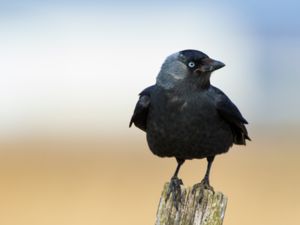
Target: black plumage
(186, 117)
(140, 113)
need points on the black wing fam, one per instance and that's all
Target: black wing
(139, 117)
(229, 112)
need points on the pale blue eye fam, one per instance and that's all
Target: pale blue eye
(191, 64)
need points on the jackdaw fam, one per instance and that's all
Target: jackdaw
(185, 117)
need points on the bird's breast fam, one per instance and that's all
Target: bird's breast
(182, 124)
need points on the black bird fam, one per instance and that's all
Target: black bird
(186, 117)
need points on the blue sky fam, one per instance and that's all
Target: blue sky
(70, 64)
(270, 14)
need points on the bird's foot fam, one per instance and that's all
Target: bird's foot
(204, 184)
(175, 190)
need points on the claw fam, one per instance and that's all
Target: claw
(174, 188)
(204, 184)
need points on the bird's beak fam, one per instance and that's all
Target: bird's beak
(210, 65)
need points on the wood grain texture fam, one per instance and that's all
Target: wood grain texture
(197, 207)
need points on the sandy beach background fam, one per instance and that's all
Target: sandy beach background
(118, 180)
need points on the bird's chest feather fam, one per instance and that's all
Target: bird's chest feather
(182, 113)
(185, 126)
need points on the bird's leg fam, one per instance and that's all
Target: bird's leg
(179, 164)
(205, 181)
(174, 186)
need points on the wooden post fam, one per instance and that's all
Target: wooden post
(198, 207)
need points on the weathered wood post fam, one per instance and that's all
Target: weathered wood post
(198, 207)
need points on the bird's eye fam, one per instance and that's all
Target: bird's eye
(191, 64)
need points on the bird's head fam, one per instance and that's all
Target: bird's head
(190, 66)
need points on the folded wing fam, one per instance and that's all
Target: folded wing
(230, 113)
(140, 114)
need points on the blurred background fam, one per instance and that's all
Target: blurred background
(70, 74)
